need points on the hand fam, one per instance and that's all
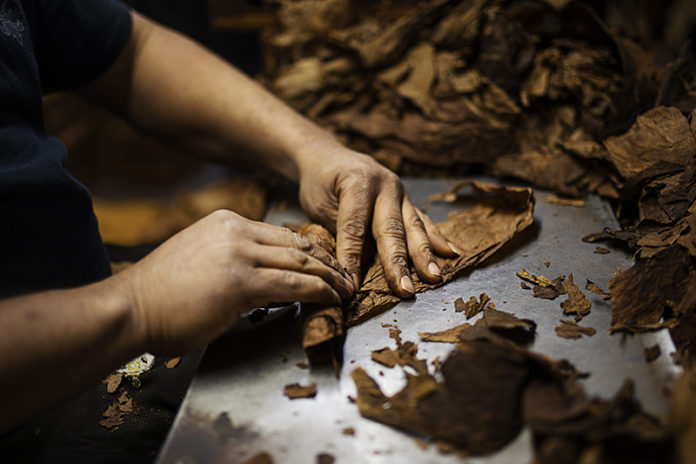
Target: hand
(350, 193)
(194, 286)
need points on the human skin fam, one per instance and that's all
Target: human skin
(193, 287)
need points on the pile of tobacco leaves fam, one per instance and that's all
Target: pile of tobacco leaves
(538, 90)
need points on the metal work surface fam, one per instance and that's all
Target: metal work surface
(235, 407)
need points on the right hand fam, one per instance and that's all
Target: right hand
(194, 286)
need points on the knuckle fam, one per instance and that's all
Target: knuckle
(425, 249)
(392, 227)
(416, 222)
(355, 228)
(398, 259)
(302, 259)
(292, 281)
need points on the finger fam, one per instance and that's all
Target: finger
(354, 211)
(390, 235)
(441, 245)
(273, 285)
(292, 259)
(267, 234)
(419, 248)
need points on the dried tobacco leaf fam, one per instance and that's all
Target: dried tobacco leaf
(641, 295)
(553, 199)
(473, 306)
(172, 362)
(497, 326)
(295, 390)
(601, 251)
(577, 303)
(113, 381)
(570, 329)
(543, 287)
(594, 288)
(652, 353)
(661, 134)
(498, 215)
(482, 383)
(261, 458)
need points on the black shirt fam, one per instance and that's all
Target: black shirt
(48, 231)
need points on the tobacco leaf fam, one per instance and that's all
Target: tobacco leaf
(660, 134)
(641, 295)
(404, 355)
(483, 383)
(543, 286)
(570, 329)
(498, 214)
(577, 303)
(652, 353)
(295, 390)
(496, 326)
(322, 326)
(473, 306)
(594, 288)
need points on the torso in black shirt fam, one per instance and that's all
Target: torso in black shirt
(48, 231)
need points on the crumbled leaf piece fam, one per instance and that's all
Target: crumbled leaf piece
(547, 264)
(550, 292)
(113, 381)
(601, 251)
(541, 280)
(553, 199)
(172, 362)
(652, 353)
(494, 325)
(349, 431)
(115, 413)
(422, 444)
(473, 306)
(325, 458)
(385, 356)
(302, 365)
(295, 390)
(570, 329)
(577, 303)
(594, 288)
(446, 336)
(261, 458)
(525, 286)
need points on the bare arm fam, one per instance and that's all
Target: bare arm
(183, 295)
(171, 87)
(53, 343)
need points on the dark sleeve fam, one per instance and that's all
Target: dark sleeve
(77, 40)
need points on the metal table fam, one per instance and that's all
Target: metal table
(235, 407)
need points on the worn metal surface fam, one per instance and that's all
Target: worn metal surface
(235, 407)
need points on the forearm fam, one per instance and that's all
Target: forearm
(184, 94)
(55, 344)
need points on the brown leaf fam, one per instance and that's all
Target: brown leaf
(172, 362)
(652, 353)
(570, 329)
(295, 390)
(113, 381)
(577, 303)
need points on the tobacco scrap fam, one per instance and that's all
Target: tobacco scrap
(116, 412)
(261, 458)
(494, 325)
(594, 288)
(601, 251)
(295, 390)
(499, 213)
(405, 354)
(349, 431)
(652, 353)
(577, 303)
(570, 329)
(113, 381)
(556, 200)
(172, 362)
(473, 306)
(325, 458)
(543, 286)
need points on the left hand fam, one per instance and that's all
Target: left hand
(350, 193)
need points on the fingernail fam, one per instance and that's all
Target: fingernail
(434, 269)
(356, 281)
(454, 249)
(407, 284)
